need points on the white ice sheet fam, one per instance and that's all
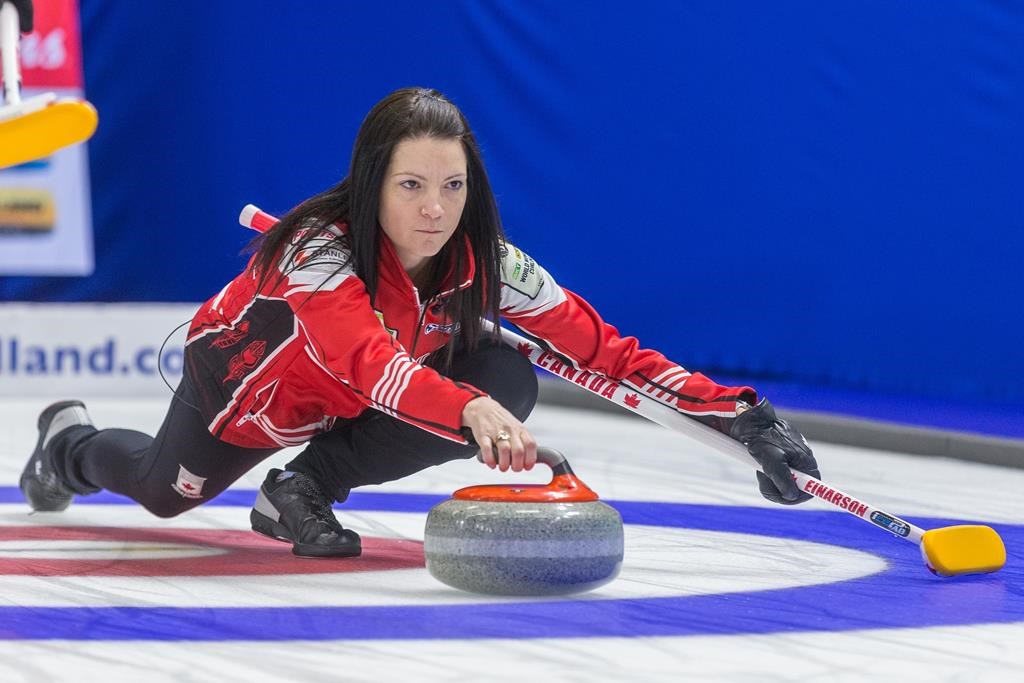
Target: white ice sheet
(623, 459)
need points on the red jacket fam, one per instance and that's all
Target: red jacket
(275, 366)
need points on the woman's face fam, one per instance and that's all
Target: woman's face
(422, 198)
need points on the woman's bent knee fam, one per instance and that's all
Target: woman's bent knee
(522, 379)
(507, 376)
(167, 506)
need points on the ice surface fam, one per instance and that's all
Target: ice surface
(717, 583)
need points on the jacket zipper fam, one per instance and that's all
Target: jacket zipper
(260, 402)
(419, 326)
(423, 313)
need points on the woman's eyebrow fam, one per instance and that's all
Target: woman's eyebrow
(417, 175)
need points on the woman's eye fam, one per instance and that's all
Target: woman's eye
(410, 184)
(455, 185)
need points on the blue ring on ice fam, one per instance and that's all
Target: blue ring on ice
(904, 595)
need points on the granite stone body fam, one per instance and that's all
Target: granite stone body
(528, 548)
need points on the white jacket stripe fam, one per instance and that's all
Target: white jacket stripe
(396, 385)
(384, 382)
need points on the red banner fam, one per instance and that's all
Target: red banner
(51, 56)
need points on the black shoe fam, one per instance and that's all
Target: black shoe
(42, 486)
(290, 507)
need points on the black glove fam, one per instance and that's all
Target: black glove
(24, 8)
(776, 446)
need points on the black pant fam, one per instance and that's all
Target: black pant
(370, 449)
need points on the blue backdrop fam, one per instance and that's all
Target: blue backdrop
(828, 193)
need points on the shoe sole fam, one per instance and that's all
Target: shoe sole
(43, 425)
(266, 526)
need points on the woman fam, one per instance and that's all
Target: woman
(356, 330)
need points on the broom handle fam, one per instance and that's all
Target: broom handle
(635, 401)
(632, 399)
(9, 36)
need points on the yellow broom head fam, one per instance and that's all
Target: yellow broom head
(964, 549)
(40, 133)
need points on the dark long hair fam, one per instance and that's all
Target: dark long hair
(404, 114)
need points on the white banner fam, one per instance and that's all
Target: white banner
(82, 350)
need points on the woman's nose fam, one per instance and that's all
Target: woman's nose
(433, 210)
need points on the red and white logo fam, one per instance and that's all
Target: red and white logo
(188, 484)
(245, 360)
(231, 337)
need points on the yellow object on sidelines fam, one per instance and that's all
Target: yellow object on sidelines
(40, 132)
(963, 549)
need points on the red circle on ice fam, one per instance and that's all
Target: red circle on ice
(119, 551)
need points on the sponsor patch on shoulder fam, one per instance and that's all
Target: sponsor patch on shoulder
(322, 253)
(520, 272)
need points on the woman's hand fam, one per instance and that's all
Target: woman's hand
(777, 446)
(488, 420)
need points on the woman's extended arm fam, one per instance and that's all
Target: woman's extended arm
(573, 330)
(570, 327)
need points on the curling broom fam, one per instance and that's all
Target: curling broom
(947, 551)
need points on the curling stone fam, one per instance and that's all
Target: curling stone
(528, 539)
